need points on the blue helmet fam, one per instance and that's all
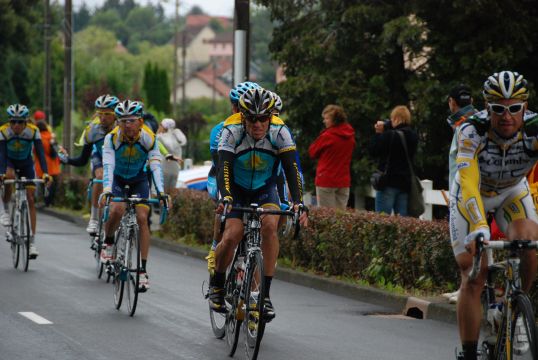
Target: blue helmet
(106, 102)
(129, 108)
(18, 111)
(240, 89)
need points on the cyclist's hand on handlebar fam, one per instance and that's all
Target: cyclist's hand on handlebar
(220, 206)
(303, 217)
(470, 239)
(47, 179)
(105, 195)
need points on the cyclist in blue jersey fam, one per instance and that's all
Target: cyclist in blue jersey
(93, 139)
(214, 139)
(251, 148)
(17, 139)
(126, 151)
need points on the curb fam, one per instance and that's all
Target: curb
(401, 304)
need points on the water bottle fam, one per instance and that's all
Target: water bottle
(494, 316)
(240, 267)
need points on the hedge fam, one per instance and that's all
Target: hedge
(381, 250)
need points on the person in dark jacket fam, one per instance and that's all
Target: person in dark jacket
(333, 149)
(388, 147)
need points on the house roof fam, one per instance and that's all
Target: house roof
(212, 76)
(203, 20)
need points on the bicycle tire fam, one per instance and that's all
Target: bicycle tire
(253, 288)
(117, 283)
(232, 324)
(522, 308)
(15, 250)
(133, 273)
(24, 237)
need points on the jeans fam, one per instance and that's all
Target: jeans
(390, 199)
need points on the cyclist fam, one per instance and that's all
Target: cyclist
(17, 138)
(126, 151)
(496, 149)
(251, 147)
(214, 138)
(92, 147)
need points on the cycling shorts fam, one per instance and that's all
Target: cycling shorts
(138, 188)
(23, 168)
(266, 197)
(512, 204)
(96, 162)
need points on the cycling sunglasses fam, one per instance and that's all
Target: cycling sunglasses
(500, 109)
(17, 121)
(130, 120)
(254, 118)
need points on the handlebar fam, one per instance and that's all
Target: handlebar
(512, 245)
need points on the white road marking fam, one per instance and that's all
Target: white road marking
(35, 318)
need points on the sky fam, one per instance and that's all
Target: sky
(211, 7)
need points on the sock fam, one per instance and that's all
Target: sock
(143, 268)
(469, 350)
(214, 245)
(94, 213)
(109, 240)
(219, 279)
(267, 286)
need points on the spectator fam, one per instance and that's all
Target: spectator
(51, 155)
(388, 147)
(172, 139)
(333, 149)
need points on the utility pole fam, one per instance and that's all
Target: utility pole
(176, 45)
(68, 32)
(183, 70)
(47, 87)
(241, 41)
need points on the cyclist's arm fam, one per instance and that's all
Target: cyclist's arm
(3, 156)
(468, 173)
(154, 159)
(109, 161)
(40, 152)
(84, 156)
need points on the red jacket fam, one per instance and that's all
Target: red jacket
(333, 148)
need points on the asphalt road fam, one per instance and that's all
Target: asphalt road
(172, 320)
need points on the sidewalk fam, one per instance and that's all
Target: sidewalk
(436, 308)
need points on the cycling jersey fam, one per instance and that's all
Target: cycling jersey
(17, 149)
(127, 160)
(252, 165)
(92, 144)
(488, 166)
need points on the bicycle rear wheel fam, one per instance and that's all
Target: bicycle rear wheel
(132, 262)
(118, 271)
(24, 236)
(523, 328)
(14, 234)
(253, 288)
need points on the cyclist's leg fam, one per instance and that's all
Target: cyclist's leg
(469, 309)
(517, 218)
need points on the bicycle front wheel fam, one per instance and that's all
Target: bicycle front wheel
(253, 288)
(523, 332)
(132, 263)
(24, 236)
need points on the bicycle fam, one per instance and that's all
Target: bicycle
(96, 240)
(516, 304)
(244, 286)
(19, 232)
(125, 267)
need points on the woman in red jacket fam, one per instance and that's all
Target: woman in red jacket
(333, 149)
